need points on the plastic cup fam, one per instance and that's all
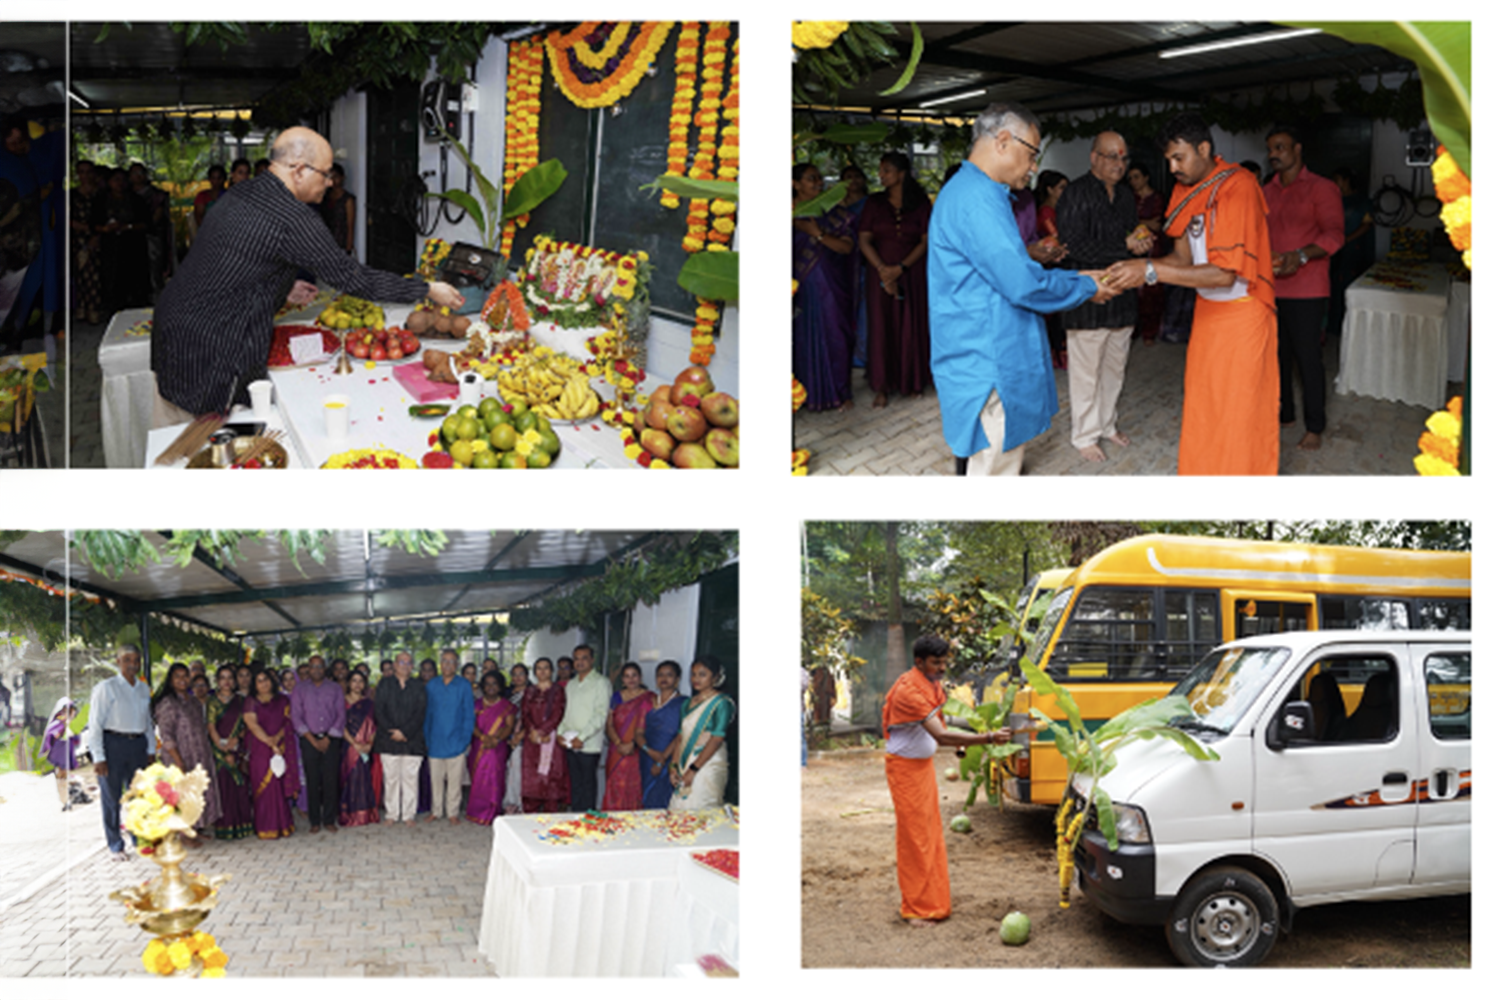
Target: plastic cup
(260, 398)
(336, 417)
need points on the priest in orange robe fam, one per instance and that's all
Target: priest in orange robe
(912, 721)
(1231, 391)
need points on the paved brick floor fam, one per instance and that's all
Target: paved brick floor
(370, 901)
(1364, 436)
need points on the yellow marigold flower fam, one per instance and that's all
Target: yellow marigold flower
(213, 974)
(1456, 407)
(721, 207)
(1437, 447)
(214, 959)
(1448, 178)
(657, 463)
(1456, 217)
(817, 34)
(152, 956)
(1427, 465)
(181, 954)
(1444, 424)
(725, 226)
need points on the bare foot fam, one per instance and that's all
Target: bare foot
(1120, 439)
(880, 401)
(411, 822)
(921, 923)
(847, 404)
(453, 820)
(390, 822)
(431, 818)
(1092, 453)
(1310, 442)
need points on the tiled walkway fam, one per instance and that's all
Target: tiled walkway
(85, 433)
(1364, 437)
(369, 901)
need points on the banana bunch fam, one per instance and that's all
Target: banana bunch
(578, 401)
(350, 313)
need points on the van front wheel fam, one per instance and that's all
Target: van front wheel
(1223, 917)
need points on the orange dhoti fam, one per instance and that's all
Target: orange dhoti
(1231, 392)
(921, 853)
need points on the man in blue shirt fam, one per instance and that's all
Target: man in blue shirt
(120, 738)
(448, 727)
(987, 297)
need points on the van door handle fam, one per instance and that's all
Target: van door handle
(1395, 778)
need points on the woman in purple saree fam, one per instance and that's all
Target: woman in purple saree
(360, 777)
(823, 314)
(489, 753)
(268, 715)
(227, 734)
(663, 722)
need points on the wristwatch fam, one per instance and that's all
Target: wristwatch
(1302, 256)
(1150, 273)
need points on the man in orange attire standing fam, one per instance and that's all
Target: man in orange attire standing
(912, 721)
(1231, 390)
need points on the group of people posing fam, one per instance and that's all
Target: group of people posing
(966, 289)
(318, 740)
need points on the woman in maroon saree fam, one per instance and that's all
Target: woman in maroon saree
(360, 776)
(227, 733)
(489, 753)
(268, 715)
(627, 717)
(544, 772)
(893, 241)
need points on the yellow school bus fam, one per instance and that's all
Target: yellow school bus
(1132, 621)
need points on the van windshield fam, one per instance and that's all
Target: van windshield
(1227, 682)
(1049, 624)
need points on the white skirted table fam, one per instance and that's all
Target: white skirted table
(606, 905)
(1396, 336)
(128, 391)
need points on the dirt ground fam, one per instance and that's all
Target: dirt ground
(850, 899)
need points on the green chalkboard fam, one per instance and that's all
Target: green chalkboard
(564, 134)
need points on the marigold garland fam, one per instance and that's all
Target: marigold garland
(523, 106)
(722, 230)
(686, 67)
(599, 59)
(1439, 444)
(513, 316)
(611, 86)
(1455, 192)
(817, 34)
(168, 955)
(707, 120)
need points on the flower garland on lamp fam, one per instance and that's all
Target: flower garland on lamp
(599, 87)
(523, 108)
(686, 65)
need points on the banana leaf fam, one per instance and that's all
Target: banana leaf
(534, 187)
(1442, 51)
(822, 203)
(688, 187)
(713, 276)
(855, 135)
(911, 64)
(1105, 810)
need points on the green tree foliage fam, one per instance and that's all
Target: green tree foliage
(847, 563)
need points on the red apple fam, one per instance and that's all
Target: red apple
(694, 380)
(686, 424)
(692, 456)
(657, 414)
(659, 443)
(662, 393)
(720, 409)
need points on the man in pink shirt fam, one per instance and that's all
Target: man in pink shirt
(1307, 227)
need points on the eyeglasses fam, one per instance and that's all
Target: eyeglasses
(1036, 154)
(326, 174)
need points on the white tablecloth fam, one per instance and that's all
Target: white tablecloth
(378, 415)
(1460, 300)
(596, 908)
(1395, 337)
(128, 392)
(707, 917)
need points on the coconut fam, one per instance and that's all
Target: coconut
(951, 774)
(458, 326)
(961, 824)
(419, 322)
(1015, 928)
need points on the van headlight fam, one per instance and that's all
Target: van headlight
(1130, 825)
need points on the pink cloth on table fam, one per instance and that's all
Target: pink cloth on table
(413, 378)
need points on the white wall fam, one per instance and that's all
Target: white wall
(668, 631)
(348, 134)
(1387, 154)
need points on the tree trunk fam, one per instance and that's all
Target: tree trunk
(895, 633)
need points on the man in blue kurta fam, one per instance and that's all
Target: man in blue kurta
(990, 358)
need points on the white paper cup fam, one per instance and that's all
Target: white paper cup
(336, 417)
(260, 398)
(468, 388)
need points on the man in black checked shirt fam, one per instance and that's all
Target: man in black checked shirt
(213, 325)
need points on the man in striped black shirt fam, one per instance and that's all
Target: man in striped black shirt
(213, 325)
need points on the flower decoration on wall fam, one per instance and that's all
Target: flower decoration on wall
(599, 63)
(686, 68)
(523, 108)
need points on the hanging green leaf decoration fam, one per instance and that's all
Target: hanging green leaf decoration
(911, 63)
(534, 187)
(713, 276)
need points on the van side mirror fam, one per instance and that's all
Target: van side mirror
(1293, 724)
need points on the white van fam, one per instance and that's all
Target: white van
(1343, 775)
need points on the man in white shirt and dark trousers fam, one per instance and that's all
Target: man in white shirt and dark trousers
(121, 739)
(584, 718)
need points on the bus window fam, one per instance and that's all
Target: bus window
(1110, 633)
(1448, 712)
(1253, 616)
(1444, 613)
(1192, 628)
(1373, 614)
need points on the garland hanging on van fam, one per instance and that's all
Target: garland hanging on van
(595, 68)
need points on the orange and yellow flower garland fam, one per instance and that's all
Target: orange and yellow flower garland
(800, 456)
(1456, 194)
(168, 955)
(707, 120)
(686, 66)
(523, 104)
(632, 59)
(1439, 444)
